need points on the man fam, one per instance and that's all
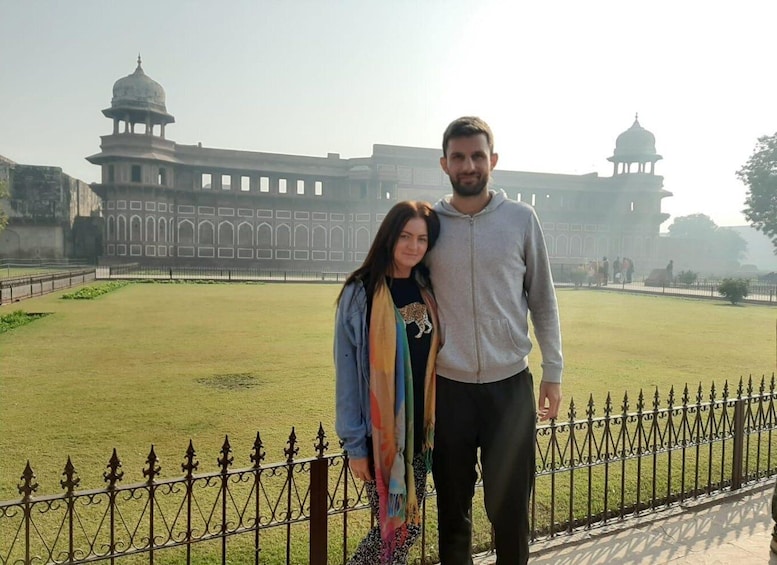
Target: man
(489, 269)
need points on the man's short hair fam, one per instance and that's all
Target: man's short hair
(467, 126)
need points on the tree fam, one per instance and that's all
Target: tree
(712, 245)
(734, 290)
(3, 215)
(760, 176)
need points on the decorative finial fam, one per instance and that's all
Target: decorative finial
(636, 114)
(139, 62)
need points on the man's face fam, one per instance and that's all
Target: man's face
(468, 164)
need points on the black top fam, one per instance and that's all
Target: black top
(408, 300)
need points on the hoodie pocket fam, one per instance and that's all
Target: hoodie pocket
(498, 345)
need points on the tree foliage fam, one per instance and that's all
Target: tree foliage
(725, 243)
(3, 194)
(734, 290)
(759, 173)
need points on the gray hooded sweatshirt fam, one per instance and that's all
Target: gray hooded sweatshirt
(489, 271)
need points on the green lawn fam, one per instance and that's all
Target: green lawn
(161, 363)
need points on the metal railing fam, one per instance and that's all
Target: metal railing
(138, 272)
(19, 288)
(591, 471)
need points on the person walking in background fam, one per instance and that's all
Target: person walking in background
(617, 276)
(605, 271)
(386, 341)
(628, 268)
(670, 271)
(490, 268)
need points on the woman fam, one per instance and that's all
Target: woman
(385, 348)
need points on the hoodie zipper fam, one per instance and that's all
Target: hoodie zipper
(472, 286)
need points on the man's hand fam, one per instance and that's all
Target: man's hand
(360, 468)
(549, 400)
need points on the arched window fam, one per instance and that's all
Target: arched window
(185, 232)
(264, 236)
(205, 235)
(301, 237)
(136, 229)
(226, 234)
(319, 237)
(245, 234)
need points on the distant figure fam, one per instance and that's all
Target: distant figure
(604, 271)
(628, 268)
(617, 276)
(669, 269)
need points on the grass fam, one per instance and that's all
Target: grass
(159, 364)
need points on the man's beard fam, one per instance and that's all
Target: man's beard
(470, 190)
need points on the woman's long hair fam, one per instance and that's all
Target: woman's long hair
(380, 258)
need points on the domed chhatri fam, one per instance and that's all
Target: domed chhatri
(138, 99)
(635, 145)
(138, 91)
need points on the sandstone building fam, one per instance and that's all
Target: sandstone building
(171, 204)
(51, 215)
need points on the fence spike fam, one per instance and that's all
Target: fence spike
(762, 388)
(225, 461)
(320, 446)
(656, 400)
(670, 400)
(113, 475)
(27, 487)
(625, 405)
(572, 411)
(590, 409)
(771, 384)
(190, 465)
(712, 392)
(608, 405)
(740, 388)
(292, 450)
(153, 469)
(640, 402)
(725, 390)
(258, 453)
(750, 385)
(71, 481)
(699, 394)
(686, 395)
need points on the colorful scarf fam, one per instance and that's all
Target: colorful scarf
(391, 405)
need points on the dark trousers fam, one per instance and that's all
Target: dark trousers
(500, 418)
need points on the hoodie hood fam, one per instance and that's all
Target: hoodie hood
(444, 206)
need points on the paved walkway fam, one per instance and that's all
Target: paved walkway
(732, 530)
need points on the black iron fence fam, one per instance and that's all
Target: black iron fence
(28, 286)
(605, 466)
(132, 271)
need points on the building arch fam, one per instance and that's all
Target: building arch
(150, 229)
(206, 233)
(319, 238)
(264, 235)
(245, 234)
(562, 245)
(162, 231)
(362, 239)
(301, 237)
(576, 246)
(226, 233)
(186, 232)
(283, 236)
(136, 229)
(111, 226)
(589, 247)
(337, 239)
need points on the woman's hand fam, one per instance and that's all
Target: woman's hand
(360, 468)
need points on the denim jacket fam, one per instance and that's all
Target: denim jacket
(352, 371)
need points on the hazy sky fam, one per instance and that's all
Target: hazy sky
(557, 81)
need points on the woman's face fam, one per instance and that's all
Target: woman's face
(410, 248)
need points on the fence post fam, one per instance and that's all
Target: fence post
(319, 502)
(739, 443)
